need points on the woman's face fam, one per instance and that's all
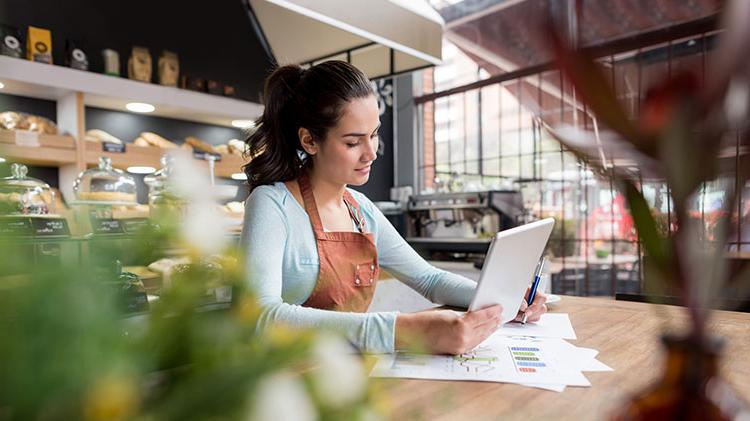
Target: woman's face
(346, 154)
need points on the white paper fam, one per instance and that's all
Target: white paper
(498, 359)
(550, 325)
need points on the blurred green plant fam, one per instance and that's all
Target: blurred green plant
(67, 350)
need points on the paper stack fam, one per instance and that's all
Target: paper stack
(534, 354)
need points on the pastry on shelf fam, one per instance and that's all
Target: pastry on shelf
(106, 196)
(12, 120)
(130, 212)
(154, 139)
(200, 145)
(237, 147)
(100, 136)
(105, 184)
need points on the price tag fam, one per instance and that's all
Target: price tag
(50, 227)
(27, 138)
(106, 226)
(133, 225)
(113, 147)
(203, 155)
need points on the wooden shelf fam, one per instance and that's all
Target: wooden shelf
(51, 150)
(133, 155)
(40, 80)
(151, 157)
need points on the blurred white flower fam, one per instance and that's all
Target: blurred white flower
(339, 375)
(202, 224)
(281, 397)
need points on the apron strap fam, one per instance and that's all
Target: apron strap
(354, 211)
(309, 200)
(312, 208)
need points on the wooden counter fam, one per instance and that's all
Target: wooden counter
(627, 336)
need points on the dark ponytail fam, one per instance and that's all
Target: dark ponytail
(294, 98)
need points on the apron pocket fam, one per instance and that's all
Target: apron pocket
(365, 274)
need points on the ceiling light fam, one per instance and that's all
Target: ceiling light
(243, 124)
(140, 107)
(239, 176)
(2, 85)
(141, 170)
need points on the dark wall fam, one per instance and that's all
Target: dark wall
(378, 187)
(127, 126)
(214, 40)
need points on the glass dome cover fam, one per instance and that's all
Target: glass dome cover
(161, 186)
(22, 195)
(105, 184)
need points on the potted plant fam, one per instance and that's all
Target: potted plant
(676, 138)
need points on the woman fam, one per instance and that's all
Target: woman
(314, 247)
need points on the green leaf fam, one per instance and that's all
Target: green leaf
(655, 246)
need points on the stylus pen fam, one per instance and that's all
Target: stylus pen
(534, 286)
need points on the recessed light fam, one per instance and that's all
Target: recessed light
(141, 170)
(243, 124)
(2, 85)
(140, 107)
(239, 176)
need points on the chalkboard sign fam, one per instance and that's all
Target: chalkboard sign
(203, 155)
(45, 227)
(133, 225)
(14, 227)
(106, 226)
(24, 226)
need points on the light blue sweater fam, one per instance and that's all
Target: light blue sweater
(282, 269)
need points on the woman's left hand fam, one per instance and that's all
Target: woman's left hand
(535, 310)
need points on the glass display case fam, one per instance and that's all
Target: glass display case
(25, 196)
(105, 184)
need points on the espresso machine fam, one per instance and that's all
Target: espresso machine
(449, 226)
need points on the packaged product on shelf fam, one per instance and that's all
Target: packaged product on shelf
(111, 60)
(139, 64)
(12, 45)
(12, 120)
(154, 139)
(75, 57)
(200, 145)
(39, 45)
(193, 83)
(96, 135)
(214, 87)
(169, 68)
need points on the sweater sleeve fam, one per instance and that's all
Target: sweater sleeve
(265, 233)
(400, 260)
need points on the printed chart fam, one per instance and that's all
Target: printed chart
(499, 359)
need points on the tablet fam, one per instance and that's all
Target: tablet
(509, 267)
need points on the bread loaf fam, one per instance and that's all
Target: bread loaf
(158, 141)
(139, 141)
(200, 145)
(96, 135)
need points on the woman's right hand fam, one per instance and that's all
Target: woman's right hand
(445, 331)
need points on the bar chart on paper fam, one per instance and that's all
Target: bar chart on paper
(499, 359)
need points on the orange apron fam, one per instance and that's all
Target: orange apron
(348, 260)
